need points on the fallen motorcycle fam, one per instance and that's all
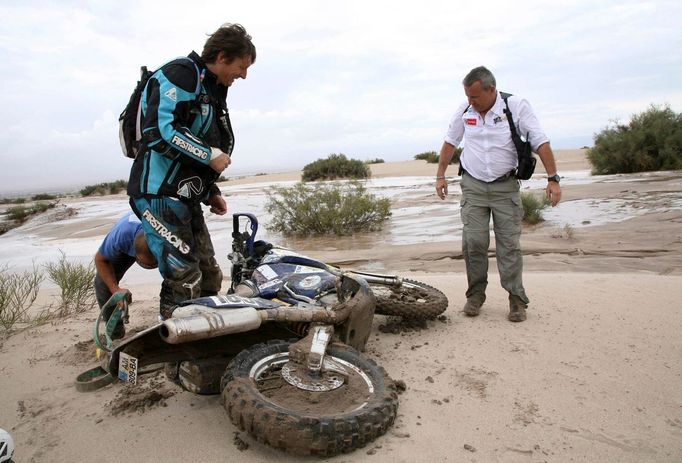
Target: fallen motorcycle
(256, 264)
(313, 394)
(282, 348)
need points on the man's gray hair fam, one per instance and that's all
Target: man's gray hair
(482, 75)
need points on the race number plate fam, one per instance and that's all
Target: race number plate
(127, 368)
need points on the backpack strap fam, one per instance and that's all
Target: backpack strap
(200, 74)
(154, 133)
(514, 133)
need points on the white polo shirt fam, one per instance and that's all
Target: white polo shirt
(489, 152)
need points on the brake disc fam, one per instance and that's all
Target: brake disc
(332, 376)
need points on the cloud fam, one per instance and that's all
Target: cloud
(363, 78)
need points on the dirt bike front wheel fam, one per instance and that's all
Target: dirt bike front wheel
(413, 299)
(303, 422)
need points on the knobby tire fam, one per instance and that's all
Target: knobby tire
(263, 408)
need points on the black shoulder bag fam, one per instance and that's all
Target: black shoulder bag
(527, 161)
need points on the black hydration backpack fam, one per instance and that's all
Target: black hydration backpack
(129, 133)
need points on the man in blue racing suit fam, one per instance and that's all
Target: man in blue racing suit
(188, 137)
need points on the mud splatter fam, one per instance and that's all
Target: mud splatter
(397, 325)
(239, 442)
(81, 353)
(150, 392)
(475, 381)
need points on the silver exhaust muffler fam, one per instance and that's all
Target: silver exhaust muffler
(194, 322)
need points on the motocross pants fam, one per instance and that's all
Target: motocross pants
(176, 234)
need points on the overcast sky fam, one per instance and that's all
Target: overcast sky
(370, 79)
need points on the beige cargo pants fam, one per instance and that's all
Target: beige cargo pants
(501, 200)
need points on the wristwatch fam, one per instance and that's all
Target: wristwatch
(554, 178)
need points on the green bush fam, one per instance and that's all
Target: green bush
(651, 141)
(532, 207)
(42, 207)
(429, 156)
(12, 200)
(18, 291)
(335, 166)
(333, 208)
(22, 213)
(109, 188)
(432, 157)
(76, 282)
(19, 213)
(43, 197)
(374, 161)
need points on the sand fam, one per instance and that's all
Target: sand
(594, 374)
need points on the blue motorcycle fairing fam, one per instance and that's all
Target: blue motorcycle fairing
(232, 301)
(310, 282)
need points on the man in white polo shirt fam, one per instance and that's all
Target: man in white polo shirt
(489, 186)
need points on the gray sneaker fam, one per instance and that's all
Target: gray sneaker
(517, 309)
(473, 306)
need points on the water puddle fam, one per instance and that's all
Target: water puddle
(418, 216)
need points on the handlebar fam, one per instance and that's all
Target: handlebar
(250, 237)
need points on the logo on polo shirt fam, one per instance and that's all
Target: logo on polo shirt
(470, 121)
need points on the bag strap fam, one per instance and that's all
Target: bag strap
(514, 134)
(154, 133)
(518, 143)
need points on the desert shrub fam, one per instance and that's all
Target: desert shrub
(651, 141)
(76, 282)
(432, 157)
(37, 208)
(374, 161)
(12, 200)
(43, 197)
(90, 190)
(332, 208)
(22, 213)
(108, 188)
(429, 156)
(335, 166)
(532, 207)
(18, 291)
(19, 213)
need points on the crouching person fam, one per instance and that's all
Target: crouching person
(124, 245)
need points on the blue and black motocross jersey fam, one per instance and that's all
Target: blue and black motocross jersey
(184, 114)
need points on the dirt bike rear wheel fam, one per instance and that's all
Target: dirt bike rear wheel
(260, 402)
(413, 299)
